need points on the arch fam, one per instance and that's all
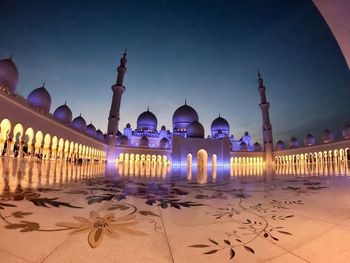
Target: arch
(202, 158)
(5, 128)
(71, 151)
(66, 150)
(189, 159)
(18, 129)
(214, 160)
(28, 141)
(46, 150)
(38, 144)
(16, 145)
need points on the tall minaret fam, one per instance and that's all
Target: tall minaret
(267, 127)
(113, 119)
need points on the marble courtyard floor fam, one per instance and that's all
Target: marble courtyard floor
(51, 211)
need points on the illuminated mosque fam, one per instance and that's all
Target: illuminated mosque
(29, 129)
(25, 129)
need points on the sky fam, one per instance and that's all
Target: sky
(207, 52)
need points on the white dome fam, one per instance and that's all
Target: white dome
(99, 135)
(144, 142)
(147, 121)
(40, 98)
(220, 126)
(64, 114)
(327, 136)
(280, 145)
(164, 143)
(183, 117)
(346, 132)
(8, 74)
(257, 147)
(195, 130)
(79, 123)
(309, 140)
(243, 146)
(91, 130)
(293, 142)
(123, 140)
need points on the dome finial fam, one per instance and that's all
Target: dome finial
(65, 103)
(148, 108)
(80, 114)
(219, 115)
(10, 58)
(43, 86)
(185, 101)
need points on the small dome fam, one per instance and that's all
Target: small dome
(293, 142)
(257, 147)
(63, 114)
(309, 140)
(99, 135)
(8, 74)
(183, 117)
(91, 130)
(243, 146)
(40, 98)
(280, 145)
(164, 143)
(79, 123)
(220, 126)
(327, 136)
(128, 126)
(123, 140)
(346, 132)
(163, 128)
(144, 142)
(195, 130)
(147, 121)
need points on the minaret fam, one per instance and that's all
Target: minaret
(267, 128)
(114, 113)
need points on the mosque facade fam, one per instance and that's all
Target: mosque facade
(30, 129)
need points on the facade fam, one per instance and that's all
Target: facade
(28, 129)
(180, 144)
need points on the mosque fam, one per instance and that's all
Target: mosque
(29, 129)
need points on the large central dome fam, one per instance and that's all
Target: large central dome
(183, 117)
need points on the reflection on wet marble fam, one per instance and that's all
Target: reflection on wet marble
(52, 211)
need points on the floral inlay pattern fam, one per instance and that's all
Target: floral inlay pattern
(107, 212)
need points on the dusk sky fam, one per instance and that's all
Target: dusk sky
(205, 51)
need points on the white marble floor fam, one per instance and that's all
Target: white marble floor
(57, 212)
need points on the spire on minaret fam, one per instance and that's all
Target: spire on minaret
(260, 80)
(261, 89)
(122, 69)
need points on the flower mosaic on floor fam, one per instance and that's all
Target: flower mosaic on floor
(109, 207)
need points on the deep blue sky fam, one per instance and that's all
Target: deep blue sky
(205, 51)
